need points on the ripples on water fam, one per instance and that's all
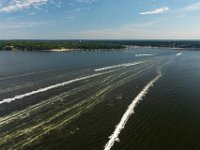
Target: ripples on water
(75, 100)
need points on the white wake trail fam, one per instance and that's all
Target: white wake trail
(179, 54)
(128, 113)
(8, 100)
(144, 55)
(117, 66)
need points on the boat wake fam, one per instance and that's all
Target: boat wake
(179, 54)
(118, 66)
(144, 55)
(115, 136)
(8, 100)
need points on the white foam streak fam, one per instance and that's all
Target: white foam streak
(114, 137)
(179, 54)
(144, 55)
(117, 66)
(8, 100)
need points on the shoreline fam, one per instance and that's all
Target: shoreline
(101, 50)
(162, 47)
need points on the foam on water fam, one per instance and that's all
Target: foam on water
(144, 55)
(115, 136)
(179, 54)
(117, 66)
(8, 100)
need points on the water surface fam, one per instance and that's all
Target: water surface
(87, 94)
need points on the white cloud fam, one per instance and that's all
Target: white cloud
(15, 5)
(192, 7)
(156, 11)
(56, 3)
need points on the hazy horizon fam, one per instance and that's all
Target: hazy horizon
(106, 39)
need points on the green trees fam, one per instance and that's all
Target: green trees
(36, 45)
(41, 45)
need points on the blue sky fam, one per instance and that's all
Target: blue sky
(99, 19)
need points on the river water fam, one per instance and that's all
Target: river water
(140, 98)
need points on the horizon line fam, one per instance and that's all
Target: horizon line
(42, 39)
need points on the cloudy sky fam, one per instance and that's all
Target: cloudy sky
(99, 19)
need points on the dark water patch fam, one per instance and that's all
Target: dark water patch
(168, 118)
